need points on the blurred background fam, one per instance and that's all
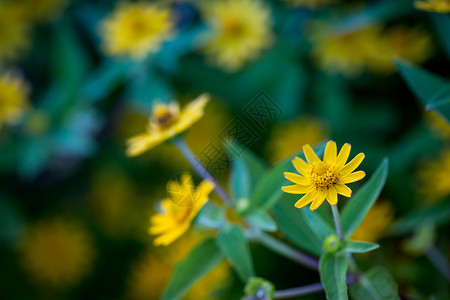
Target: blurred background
(77, 78)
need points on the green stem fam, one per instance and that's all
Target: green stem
(298, 291)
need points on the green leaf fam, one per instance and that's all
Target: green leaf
(333, 269)
(441, 23)
(262, 220)
(233, 244)
(293, 226)
(359, 247)
(268, 190)
(317, 224)
(205, 257)
(359, 205)
(240, 181)
(376, 284)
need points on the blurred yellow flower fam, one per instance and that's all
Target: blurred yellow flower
(440, 6)
(44, 10)
(15, 31)
(376, 223)
(136, 29)
(438, 124)
(320, 180)
(309, 3)
(166, 122)
(434, 178)
(240, 30)
(179, 209)
(287, 137)
(57, 253)
(14, 94)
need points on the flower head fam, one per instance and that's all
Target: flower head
(440, 6)
(165, 122)
(323, 179)
(376, 223)
(136, 29)
(240, 30)
(13, 98)
(179, 209)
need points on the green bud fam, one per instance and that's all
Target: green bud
(242, 206)
(258, 289)
(332, 244)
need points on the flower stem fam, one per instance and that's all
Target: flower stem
(298, 291)
(337, 223)
(287, 251)
(180, 143)
(438, 260)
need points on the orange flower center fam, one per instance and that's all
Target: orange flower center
(323, 175)
(233, 27)
(163, 116)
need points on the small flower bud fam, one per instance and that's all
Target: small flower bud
(258, 289)
(332, 244)
(242, 206)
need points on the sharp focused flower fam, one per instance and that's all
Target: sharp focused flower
(440, 6)
(57, 253)
(240, 30)
(376, 223)
(13, 98)
(136, 29)
(323, 179)
(179, 209)
(165, 122)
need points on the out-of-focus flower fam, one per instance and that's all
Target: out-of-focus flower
(440, 6)
(136, 29)
(14, 94)
(376, 223)
(309, 3)
(44, 10)
(320, 180)
(57, 253)
(241, 29)
(179, 209)
(166, 122)
(15, 31)
(434, 178)
(438, 124)
(287, 138)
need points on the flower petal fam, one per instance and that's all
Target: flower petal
(143, 142)
(320, 197)
(296, 189)
(330, 153)
(343, 155)
(305, 200)
(343, 190)
(310, 155)
(352, 165)
(300, 165)
(298, 179)
(191, 113)
(170, 236)
(352, 177)
(332, 196)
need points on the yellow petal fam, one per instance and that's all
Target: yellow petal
(144, 142)
(330, 153)
(344, 190)
(352, 165)
(320, 197)
(352, 177)
(310, 155)
(305, 200)
(301, 166)
(296, 189)
(332, 196)
(171, 236)
(295, 178)
(191, 113)
(343, 155)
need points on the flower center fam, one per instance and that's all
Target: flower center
(233, 27)
(323, 175)
(163, 116)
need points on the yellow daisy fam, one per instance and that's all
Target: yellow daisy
(240, 30)
(179, 209)
(57, 253)
(320, 180)
(376, 223)
(165, 122)
(440, 6)
(14, 94)
(136, 29)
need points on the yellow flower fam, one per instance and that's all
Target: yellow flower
(57, 253)
(240, 30)
(136, 29)
(438, 124)
(434, 178)
(14, 94)
(166, 122)
(14, 31)
(287, 137)
(440, 6)
(309, 3)
(179, 209)
(320, 180)
(376, 223)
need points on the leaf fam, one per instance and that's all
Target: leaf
(441, 24)
(359, 205)
(333, 269)
(360, 247)
(293, 225)
(233, 244)
(317, 224)
(262, 220)
(205, 257)
(376, 284)
(268, 189)
(240, 181)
